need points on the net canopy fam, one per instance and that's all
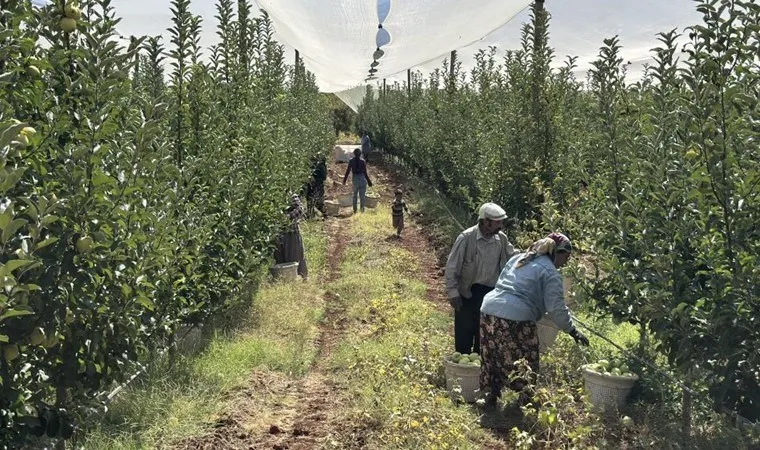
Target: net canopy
(338, 40)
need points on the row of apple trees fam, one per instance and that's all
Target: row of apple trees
(141, 183)
(660, 179)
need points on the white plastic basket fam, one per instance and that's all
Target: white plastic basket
(547, 333)
(608, 391)
(547, 330)
(286, 271)
(332, 207)
(464, 377)
(346, 200)
(371, 202)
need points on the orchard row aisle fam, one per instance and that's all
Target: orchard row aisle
(352, 358)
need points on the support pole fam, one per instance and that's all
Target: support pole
(452, 73)
(408, 81)
(385, 87)
(297, 62)
(537, 84)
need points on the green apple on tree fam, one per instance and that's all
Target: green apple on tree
(67, 24)
(33, 71)
(84, 244)
(72, 11)
(37, 337)
(10, 352)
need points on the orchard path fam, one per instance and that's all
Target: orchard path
(280, 412)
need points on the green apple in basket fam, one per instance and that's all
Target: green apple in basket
(464, 361)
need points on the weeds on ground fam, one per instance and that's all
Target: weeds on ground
(392, 353)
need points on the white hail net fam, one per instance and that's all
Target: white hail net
(338, 39)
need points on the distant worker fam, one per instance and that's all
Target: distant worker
(366, 146)
(474, 264)
(290, 247)
(360, 180)
(315, 189)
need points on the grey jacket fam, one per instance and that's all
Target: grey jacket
(462, 266)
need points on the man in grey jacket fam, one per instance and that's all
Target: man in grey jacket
(475, 262)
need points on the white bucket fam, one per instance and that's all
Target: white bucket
(332, 207)
(286, 271)
(464, 378)
(346, 200)
(608, 391)
(547, 333)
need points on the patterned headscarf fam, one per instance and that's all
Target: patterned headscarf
(555, 242)
(295, 211)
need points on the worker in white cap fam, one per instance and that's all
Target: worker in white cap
(474, 265)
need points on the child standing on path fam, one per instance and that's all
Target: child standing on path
(397, 210)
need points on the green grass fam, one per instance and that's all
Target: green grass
(390, 357)
(170, 403)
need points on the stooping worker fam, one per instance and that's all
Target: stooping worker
(315, 189)
(476, 259)
(366, 146)
(360, 180)
(529, 287)
(290, 246)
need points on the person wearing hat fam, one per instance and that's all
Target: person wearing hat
(475, 261)
(529, 287)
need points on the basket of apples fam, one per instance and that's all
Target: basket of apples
(608, 382)
(463, 372)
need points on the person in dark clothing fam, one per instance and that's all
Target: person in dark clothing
(360, 180)
(315, 190)
(397, 211)
(366, 146)
(290, 247)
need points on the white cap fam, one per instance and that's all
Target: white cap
(492, 211)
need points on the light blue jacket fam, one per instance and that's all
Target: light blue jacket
(528, 293)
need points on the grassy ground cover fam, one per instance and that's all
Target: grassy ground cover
(170, 403)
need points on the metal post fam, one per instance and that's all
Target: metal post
(537, 81)
(453, 62)
(297, 62)
(408, 81)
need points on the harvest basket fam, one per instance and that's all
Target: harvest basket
(371, 202)
(547, 333)
(286, 271)
(188, 338)
(464, 377)
(547, 330)
(332, 207)
(608, 391)
(346, 200)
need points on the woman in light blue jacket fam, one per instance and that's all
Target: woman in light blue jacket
(529, 287)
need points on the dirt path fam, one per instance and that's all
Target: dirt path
(431, 255)
(279, 412)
